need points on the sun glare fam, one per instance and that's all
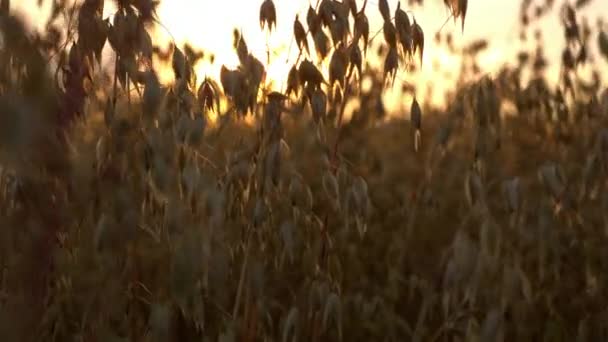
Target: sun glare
(209, 25)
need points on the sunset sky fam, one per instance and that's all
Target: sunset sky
(209, 24)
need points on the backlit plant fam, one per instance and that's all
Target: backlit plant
(207, 209)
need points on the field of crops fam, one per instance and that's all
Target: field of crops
(207, 209)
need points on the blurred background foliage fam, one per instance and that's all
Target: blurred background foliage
(218, 209)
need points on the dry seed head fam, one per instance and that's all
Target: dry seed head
(416, 121)
(233, 81)
(326, 12)
(276, 98)
(95, 29)
(255, 71)
(209, 95)
(152, 96)
(117, 32)
(336, 97)
(338, 31)
(416, 115)
(340, 11)
(310, 75)
(390, 34)
(402, 21)
(356, 59)
(313, 20)
(418, 39)
(318, 104)
(391, 64)
(321, 44)
(293, 81)
(361, 30)
(268, 15)
(458, 9)
(462, 6)
(384, 10)
(179, 64)
(239, 44)
(272, 116)
(300, 34)
(404, 30)
(337, 66)
(568, 59)
(352, 6)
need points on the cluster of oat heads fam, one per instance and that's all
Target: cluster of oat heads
(241, 85)
(340, 30)
(403, 37)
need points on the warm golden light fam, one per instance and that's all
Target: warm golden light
(209, 25)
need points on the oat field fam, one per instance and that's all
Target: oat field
(223, 210)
